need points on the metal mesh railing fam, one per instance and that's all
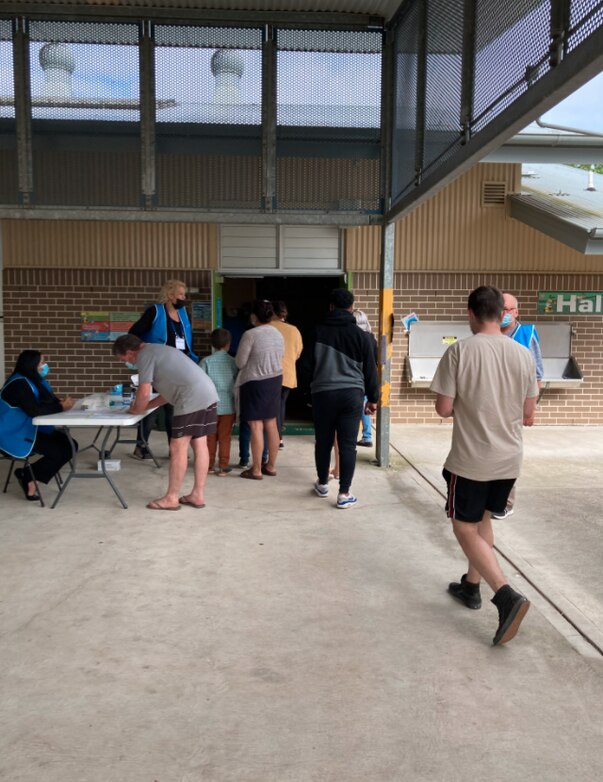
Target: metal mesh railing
(512, 49)
(9, 184)
(443, 80)
(472, 61)
(404, 135)
(328, 116)
(585, 17)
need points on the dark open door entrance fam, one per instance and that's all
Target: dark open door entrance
(307, 302)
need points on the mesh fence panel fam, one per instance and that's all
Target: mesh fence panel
(8, 143)
(405, 104)
(85, 113)
(328, 119)
(585, 17)
(208, 88)
(512, 45)
(443, 80)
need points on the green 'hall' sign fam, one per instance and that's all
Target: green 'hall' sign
(570, 302)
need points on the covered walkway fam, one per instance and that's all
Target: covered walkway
(273, 638)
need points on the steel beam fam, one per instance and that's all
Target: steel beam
(269, 120)
(129, 215)
(147, 114)
(22, 82)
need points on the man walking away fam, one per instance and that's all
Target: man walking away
(341, 364)
(488, 383)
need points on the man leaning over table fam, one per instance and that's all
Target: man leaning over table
(183, 384)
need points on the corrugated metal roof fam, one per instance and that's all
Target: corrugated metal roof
(566, 186)
(379, 8)
(558, 201)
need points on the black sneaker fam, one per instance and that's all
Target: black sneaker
(466, 592)
(243, 465)
(140, 452)
(512, 607)
(365, 443)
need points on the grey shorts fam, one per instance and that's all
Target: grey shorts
(197, 424)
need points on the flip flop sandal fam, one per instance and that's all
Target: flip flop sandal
(266, 471)
(249, 474)
(155, 506)
(185, 501)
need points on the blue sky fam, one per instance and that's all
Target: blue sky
(583, 109)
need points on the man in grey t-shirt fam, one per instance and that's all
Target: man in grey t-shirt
(183, 384)
(488, 383)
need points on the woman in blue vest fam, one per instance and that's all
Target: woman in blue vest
(165, 323)
(25, 395)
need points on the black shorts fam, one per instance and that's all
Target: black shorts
(197, 424)
(468, 500)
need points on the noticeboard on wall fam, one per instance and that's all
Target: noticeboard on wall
(105, 326)
(201, 315)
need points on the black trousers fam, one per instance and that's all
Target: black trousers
(337, 413)
(55, 452)
(281, 413)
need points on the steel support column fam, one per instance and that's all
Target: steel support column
(147, 114)
(386, 330)
(22, 81)
(468, 70)
(269, 120)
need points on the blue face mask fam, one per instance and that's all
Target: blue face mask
(44, 370)
(130, 365)
(506, 321)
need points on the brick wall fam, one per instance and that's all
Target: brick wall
(42, 311)
(443, 296)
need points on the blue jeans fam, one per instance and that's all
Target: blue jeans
(367, 431)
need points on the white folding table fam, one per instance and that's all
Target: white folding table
(108, 421)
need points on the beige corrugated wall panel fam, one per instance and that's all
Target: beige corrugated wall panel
(362, 248)
(109, 245)
(454, 232)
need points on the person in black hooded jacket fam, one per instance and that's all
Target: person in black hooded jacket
(339, 367)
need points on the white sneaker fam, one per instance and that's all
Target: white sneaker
(321, 489)
(346, 500)
(504, 515)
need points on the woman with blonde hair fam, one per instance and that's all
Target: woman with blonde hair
(165, 323)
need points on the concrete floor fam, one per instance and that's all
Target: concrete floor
(272, 638)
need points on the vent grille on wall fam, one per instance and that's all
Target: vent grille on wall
(494, 193)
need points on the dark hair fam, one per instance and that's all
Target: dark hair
(280, 308)
(220, 338)
(27, 365)
(126, 342)
(262, 309)
(341, 299)
(486, 303)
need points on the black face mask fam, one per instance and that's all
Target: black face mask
(179, 304)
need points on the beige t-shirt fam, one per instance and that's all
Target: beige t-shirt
(489, 376)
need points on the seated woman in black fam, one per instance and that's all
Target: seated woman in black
(25, 395)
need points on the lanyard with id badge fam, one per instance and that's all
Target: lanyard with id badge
(179, 343)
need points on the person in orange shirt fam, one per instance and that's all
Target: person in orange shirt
(293, 349)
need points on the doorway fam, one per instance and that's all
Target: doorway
(307, 300)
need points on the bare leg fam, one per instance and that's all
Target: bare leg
(336, 451)
(487, 533)
(478, 550)
(273, 439)
(178, 464)
(257, 445)
(201, 454)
